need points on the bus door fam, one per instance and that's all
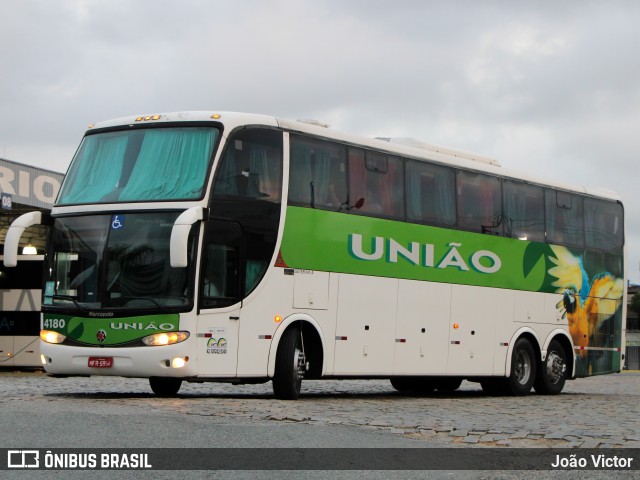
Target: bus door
(220, 298)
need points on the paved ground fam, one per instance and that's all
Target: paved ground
(594, 412)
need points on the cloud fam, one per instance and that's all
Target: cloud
(548, 88)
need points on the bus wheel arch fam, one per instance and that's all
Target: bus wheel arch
(522, 362)
(298, 344)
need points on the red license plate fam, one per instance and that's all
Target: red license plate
(100, 362)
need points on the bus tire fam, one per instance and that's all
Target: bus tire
(165, 386)
(448, 384)
(523, 368)
(290, 366)
(412, 384)
(552, 373)
(493, 386)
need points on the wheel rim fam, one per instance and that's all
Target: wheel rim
(299, 364)
(555, 367)
(523, 367)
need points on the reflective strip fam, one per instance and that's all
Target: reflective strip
(264, 337)
(602, 349)
(341, 338)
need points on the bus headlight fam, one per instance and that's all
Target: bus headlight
(50, 336)
(165, 338)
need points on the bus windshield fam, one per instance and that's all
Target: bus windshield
(116, 261)
(141, 164)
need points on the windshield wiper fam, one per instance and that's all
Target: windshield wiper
(69, 298)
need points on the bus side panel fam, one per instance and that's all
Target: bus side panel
(479, 318)
(422, 330)
(366, 325)
(272, 297)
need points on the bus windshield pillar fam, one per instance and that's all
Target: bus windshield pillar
(180, 236)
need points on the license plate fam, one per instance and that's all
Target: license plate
(100, 362)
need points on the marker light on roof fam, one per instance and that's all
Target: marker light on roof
(216, 116)
(146, 118)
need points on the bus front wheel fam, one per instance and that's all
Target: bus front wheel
(165, 386)
(290, 366)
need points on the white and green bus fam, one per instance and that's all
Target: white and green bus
(229, 247)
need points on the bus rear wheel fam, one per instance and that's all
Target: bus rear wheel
(523, 368)
(522, 376)
(552, 373)
(291, 366)
(165, 386)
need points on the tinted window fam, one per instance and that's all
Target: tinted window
(318, 174)
(603, 224)
(564, 219)
(523, 211)
(430, 194)
(251, 166)
(376, 184)
(479, 202)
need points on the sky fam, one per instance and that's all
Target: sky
(547, 88)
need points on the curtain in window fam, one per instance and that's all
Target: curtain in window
(430, 194)
(414, 193)
(445, 203)
(310, 173)
(172, 164)
(99, 169)
(259, 179)
(300, 176)
(226, 181)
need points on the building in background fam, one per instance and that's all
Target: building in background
(632, 353)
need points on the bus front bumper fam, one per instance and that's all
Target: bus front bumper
(140, 362)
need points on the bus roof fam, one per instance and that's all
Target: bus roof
(406, 147)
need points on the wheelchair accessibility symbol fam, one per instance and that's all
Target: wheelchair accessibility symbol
(117, 222)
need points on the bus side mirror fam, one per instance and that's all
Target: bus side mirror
(12, 239)
(179, 243)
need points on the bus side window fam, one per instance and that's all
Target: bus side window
(251, 166)
(565, 224)
(318, 174)
(603, 224)
(378, 180)
(479, 202)
(430, 194)
(523, 211)
(220, 275)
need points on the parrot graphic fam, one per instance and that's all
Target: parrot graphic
(587, 302)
